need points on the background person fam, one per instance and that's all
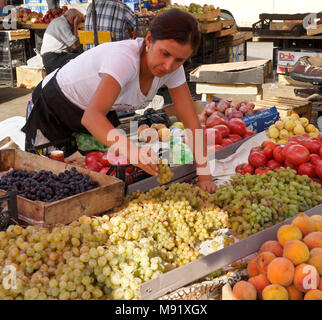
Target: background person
(60, 39)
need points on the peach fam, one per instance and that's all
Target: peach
(272, 246)
(293, 293)
(316, 259)
(281, 271)
(313, 295)
(296, 251)
(263, 260)
(317, 224)
(244, 290)
(313, 240)
(288, 232)
(316, 216)
(275, 292)
(259, 282)
(252, 268)
(303, 222)
(306, 277)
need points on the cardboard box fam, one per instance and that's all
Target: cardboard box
(244, 72)
(287, 59)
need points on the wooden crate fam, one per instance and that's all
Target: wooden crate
(107, 196)
(210, 15)
(28, 77)
(210, 26)
(287, 106)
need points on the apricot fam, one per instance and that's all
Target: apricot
(316, 216)
(272, 246)
(244, 290)
(313, 240)
(303, 222)
(259, 282)
(263, 260)
(252, 268)
(293, 293)
(306, 277)
(288, 232)
(296, 251)
(317, 224)
(315, 259)
(313, 295)
(281, 271)
(275, 292)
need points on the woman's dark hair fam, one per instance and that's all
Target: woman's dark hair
(177, 25)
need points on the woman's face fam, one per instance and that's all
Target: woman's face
(166, 56)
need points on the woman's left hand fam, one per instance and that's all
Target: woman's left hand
(206, 183)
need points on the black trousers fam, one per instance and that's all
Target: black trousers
(53, 60)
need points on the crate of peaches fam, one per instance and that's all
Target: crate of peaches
(302, 153)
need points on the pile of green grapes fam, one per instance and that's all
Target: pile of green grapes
(165, 174)
(108, 257)
(255, 202)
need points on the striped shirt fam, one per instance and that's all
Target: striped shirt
(112, 15)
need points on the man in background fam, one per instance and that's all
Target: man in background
(114, 16)
(60, 43)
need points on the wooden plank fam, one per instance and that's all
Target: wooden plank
(225, 32)
(210, 26)
(280, 16)
(209, 15)
(312, 32)
(227, 23)
(209, 88)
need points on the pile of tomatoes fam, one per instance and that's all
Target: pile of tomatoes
(302, 153)
(221, 133)
(103, 161)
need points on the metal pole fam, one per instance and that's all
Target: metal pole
(94, 23)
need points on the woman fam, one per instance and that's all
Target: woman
(121, 75)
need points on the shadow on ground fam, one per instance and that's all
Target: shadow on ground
(8, 93)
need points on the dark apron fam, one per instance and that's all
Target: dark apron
(54, 115)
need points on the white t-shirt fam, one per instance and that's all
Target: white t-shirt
(80, 77)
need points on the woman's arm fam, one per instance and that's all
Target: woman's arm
(95, 121)
(186, 111)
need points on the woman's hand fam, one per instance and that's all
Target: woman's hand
(206, 183)
(148, 161)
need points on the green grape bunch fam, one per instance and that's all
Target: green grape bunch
(165, 174)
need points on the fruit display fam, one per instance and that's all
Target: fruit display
(26, 16)
(192, 8)
(256, 202)
(108, 257)
(165, 173)
(227, 110)
(45, 185)
(221, 133)
(281, 131)
(289, 268)
(301, 153)
(157, 132)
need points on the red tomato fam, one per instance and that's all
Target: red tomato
(312, 144)
(320, 136)
(289, 144)
(268, 143)
(257, 159)
(104, 170)
(307, 168)
(226, 142)
(234, 137)
(261, 170)
(278, 154)
(273, 164)
(256, 149)
(104, 159)
(313, 158)
(321, 152)
(237, 126)
(214, 120)
(224, 130)
(93, 156)
(213, 136)
(248, 134)
(244, 168)
(297, 154)
(95, 166)
(288, 164)
(318, 168)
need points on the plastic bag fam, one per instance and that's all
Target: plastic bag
(36, 61)
(86, 142)
(150, 116)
